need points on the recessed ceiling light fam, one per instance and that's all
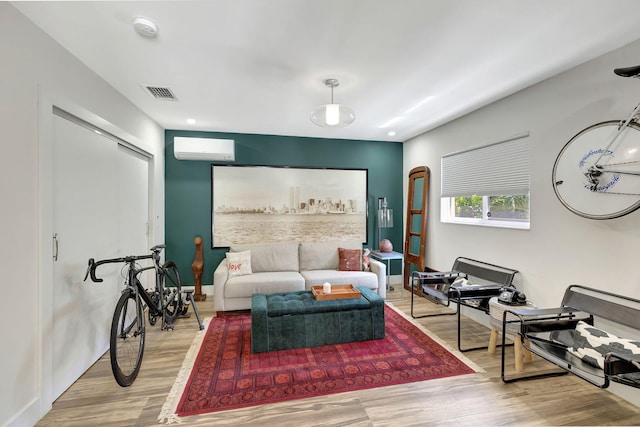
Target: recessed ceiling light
(392, 133)
(191, 121)
(145, 27)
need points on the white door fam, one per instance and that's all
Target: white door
(89, 220)
(133, 207)
(133, 202)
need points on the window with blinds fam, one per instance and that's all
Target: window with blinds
(488, 185)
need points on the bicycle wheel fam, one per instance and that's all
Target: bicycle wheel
(127, 339)
(172, 291)
(615, 193)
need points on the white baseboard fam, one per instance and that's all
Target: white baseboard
(29, 415)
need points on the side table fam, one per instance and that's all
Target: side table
(496, 311)
(387, 257)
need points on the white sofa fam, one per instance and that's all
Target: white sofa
(289, 267)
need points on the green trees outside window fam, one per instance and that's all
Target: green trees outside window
(511, 207)
(469, 207)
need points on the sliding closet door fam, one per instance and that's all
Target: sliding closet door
(133, 202)
(85, 190)
(100, 204)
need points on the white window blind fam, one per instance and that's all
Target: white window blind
(497, 169)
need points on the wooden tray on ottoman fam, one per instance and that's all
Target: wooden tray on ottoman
(337, 292)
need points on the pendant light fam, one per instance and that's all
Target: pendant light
(332, 115)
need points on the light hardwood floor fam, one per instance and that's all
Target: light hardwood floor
(480, 399)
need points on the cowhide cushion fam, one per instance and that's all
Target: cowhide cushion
(591, 344)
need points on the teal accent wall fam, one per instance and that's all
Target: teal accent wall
(188, 186)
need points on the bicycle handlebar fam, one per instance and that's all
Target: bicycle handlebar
(93, 264)
(91, 269)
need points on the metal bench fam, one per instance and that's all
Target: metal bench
(557, 334)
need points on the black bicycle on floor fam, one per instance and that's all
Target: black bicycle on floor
(165, 301)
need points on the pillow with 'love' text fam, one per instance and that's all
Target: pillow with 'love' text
(239, 263)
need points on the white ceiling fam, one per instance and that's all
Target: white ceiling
(257, 66)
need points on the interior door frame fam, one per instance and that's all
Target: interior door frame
(49, 100)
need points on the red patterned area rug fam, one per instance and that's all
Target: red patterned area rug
(226, 375)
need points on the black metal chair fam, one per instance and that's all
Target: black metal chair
(470, 283)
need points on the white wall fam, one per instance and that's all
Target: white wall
(36, 73)
(561, 248)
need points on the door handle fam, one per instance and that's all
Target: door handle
(55, 247)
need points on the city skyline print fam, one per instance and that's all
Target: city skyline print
(252, 204)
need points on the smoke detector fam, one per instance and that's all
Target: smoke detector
(145, 27)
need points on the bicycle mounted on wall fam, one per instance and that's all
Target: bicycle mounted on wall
(597, 173)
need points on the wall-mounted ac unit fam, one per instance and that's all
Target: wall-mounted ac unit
(186, 148)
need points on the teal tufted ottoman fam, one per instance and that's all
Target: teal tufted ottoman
(282, 321)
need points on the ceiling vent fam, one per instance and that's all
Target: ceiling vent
(159, 92)
(186, 148)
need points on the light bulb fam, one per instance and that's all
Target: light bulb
(333, 114)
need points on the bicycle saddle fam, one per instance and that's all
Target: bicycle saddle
(628, 71)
